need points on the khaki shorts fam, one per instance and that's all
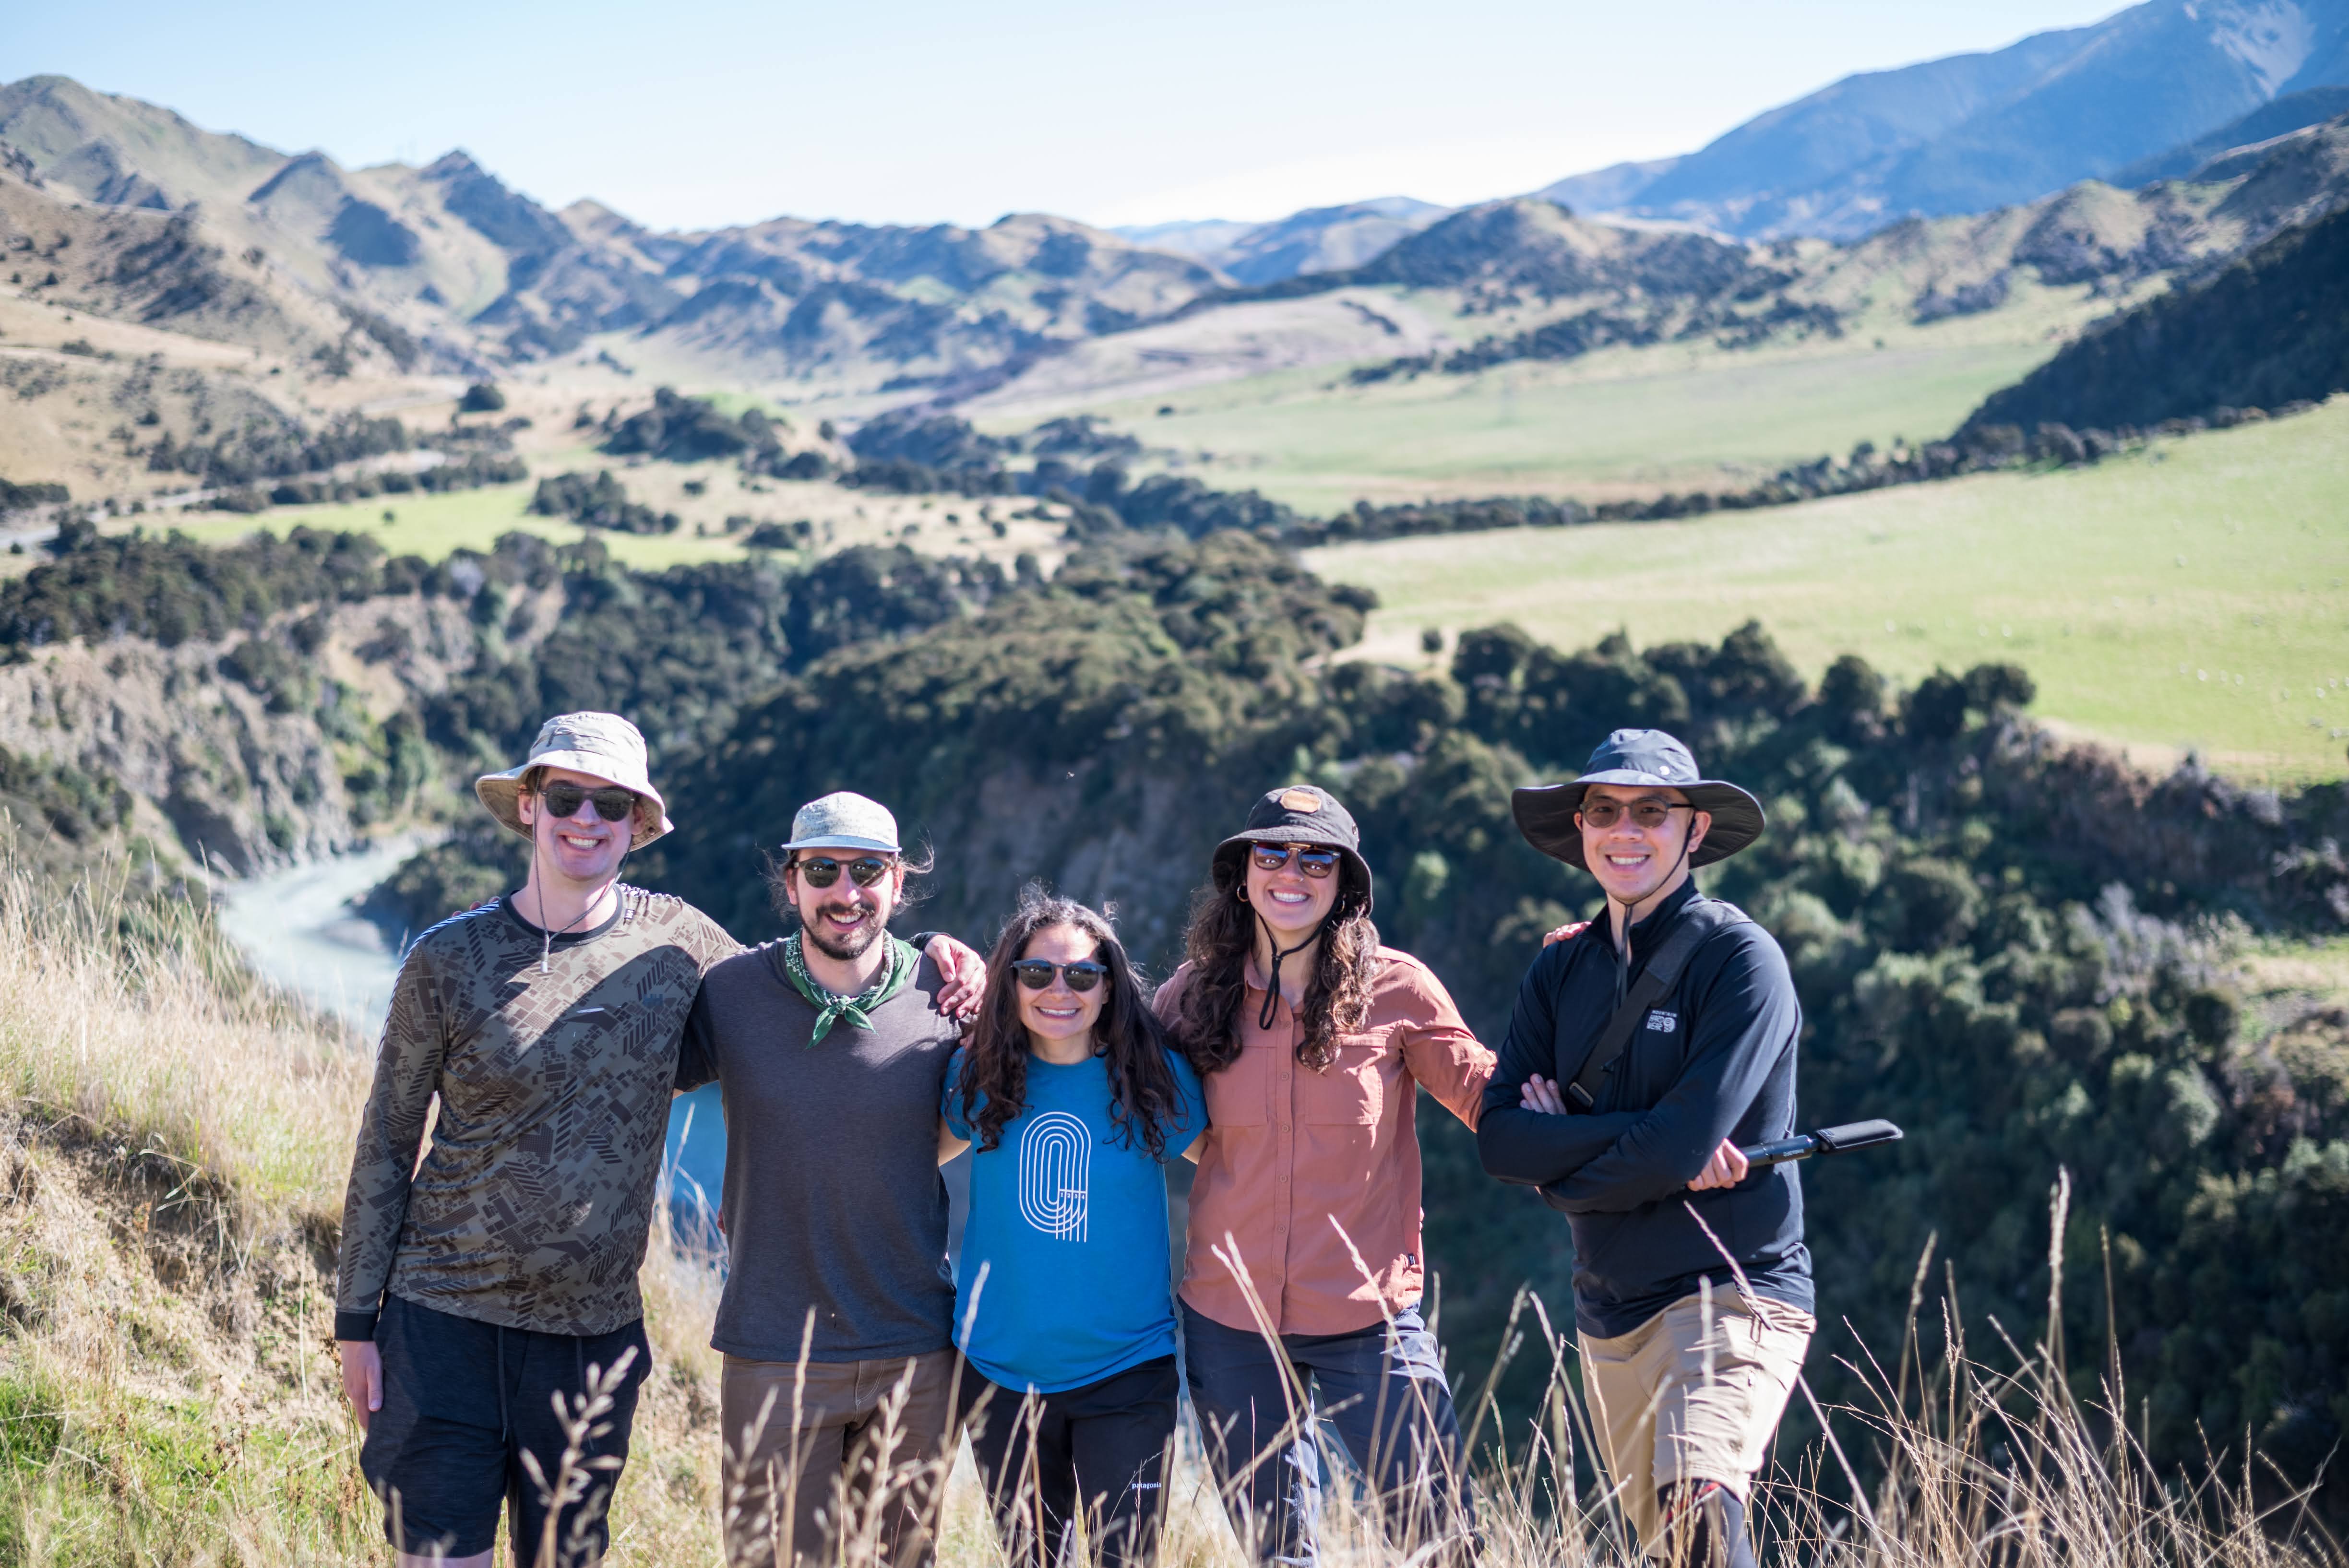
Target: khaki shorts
(1674, 1403)
(860, 1425)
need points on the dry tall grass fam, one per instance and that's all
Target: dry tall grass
(173, 1142)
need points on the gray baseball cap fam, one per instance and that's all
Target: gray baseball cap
(842, 820)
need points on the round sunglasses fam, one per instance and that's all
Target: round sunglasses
(1314, 862)
(822, 870)
(1036, 974)
(562, 799)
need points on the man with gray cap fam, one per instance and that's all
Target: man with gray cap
(1642, 1052)
(831, 1052)
(477, 1287)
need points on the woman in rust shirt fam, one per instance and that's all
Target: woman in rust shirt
(1312, 1041)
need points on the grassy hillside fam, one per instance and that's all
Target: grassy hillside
(2193, 594)
(1621, 422)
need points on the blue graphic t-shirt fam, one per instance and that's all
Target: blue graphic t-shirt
(1069, 1224)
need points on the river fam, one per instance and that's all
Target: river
(302, 930)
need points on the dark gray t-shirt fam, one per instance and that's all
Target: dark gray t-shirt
(832, 1196)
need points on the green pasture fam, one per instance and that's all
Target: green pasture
(2191, 595)
(433, 525)
(1615, 423)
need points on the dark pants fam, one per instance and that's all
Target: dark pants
(462, 1402)
(1383, 1387)
(1099, 1451)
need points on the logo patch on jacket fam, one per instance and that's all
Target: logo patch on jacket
(1663, 1022)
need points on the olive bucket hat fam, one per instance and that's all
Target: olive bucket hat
(1545, 812)
(600, 744)
(1301, 814)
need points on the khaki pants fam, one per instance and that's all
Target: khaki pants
(1672, 1403)
(805, 1453)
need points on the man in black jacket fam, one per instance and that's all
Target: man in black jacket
(1691, 1284)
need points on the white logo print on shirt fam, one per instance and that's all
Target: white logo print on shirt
(1055, 1157)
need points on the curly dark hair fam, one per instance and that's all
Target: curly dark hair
(1216, 945)
(1143, 1100)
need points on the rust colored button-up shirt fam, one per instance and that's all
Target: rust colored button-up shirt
(1293, 1154)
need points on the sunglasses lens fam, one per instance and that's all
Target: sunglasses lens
(1312, 863)
(822, 870)
(1085, 976)
(563, 799)
(1034, 972)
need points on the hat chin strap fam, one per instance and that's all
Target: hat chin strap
(1630, 904)
(1272, 985)
(545, 937)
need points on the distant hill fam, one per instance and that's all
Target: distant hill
(1606, 190)
(2270, 329)
(1316, 240)
(1972, 132)
(2294, 111)
(472, 273)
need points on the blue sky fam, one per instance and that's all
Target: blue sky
(921, 112)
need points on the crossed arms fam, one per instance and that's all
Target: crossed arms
(1743, 1010)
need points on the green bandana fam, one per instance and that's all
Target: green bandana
(856, 1009)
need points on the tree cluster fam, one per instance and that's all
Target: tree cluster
(19, 498)
(599, 502)
(280, 448)
(472, 471)
(2271, 330)
(681, 429)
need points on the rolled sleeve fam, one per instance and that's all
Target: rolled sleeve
(1443, 1055)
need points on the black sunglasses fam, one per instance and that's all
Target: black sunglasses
(1313, 862)
(1603, 813)
(613, 803)
(822, 870)
(1036, 974)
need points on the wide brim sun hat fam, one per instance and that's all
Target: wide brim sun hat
(1545, 812)
(1298, 814)
(602, 746)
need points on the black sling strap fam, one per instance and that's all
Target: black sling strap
(1700, 920)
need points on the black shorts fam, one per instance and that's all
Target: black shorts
(462, 1401)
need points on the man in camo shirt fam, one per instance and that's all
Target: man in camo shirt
(500, 1272)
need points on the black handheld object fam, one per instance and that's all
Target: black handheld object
(1826, 1140)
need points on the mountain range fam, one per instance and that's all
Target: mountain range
(127, 211)
(1974, 131)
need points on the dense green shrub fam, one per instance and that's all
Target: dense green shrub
(599, 502)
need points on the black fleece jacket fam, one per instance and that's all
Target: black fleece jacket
(1714, 1059)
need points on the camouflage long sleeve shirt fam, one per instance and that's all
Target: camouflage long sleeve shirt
(532, 1208)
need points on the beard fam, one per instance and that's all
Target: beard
(845, 945)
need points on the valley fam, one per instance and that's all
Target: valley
(2190, 596)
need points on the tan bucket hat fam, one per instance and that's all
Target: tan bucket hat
(600, 744)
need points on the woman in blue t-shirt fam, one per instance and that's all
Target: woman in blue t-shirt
(1063, 1300)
